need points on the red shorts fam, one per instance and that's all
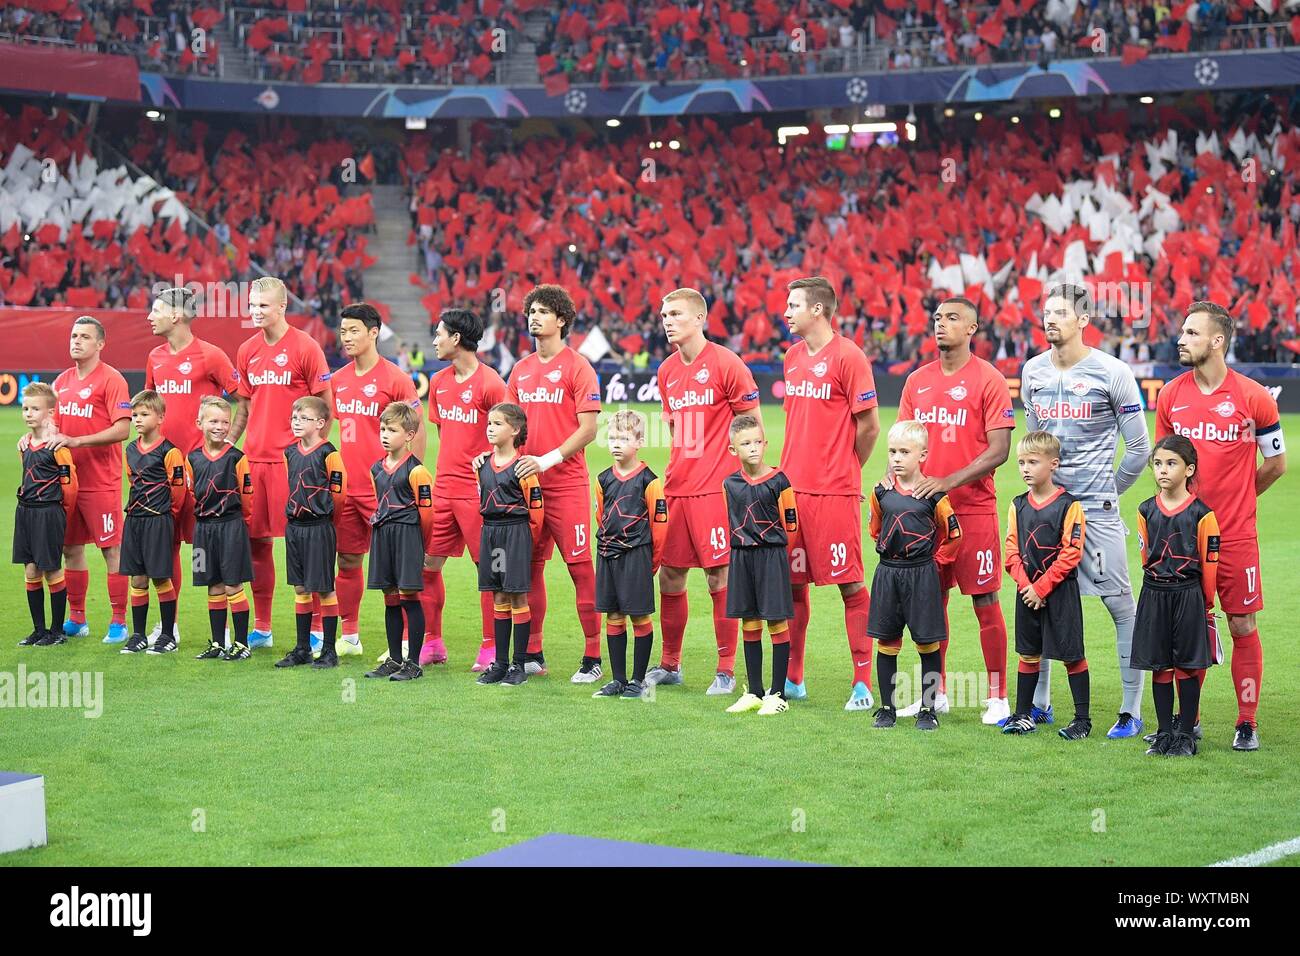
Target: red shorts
(457, 524)
(978, 568)
(697, 535)
(1241, 591)
(827, 548)
(96, 519)
(270, 493)
(567, 522)
(185, 520)
(352, 525)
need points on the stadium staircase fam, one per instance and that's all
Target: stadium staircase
(388, 280)
(520, 65)
(235, 61)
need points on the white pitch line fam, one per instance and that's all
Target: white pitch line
(1270, 854)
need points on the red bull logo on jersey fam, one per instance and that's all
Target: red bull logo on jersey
(76, 411)
(554, 396)
(554, 376)
(357, 407)
(702, 376)
(467, 396)
(1208, 431)
(957, 393)
(1224, 408)
(691, 400)
(185, 367)
(174, 388)
(85, 393)
(938, 415)
(819, 369)
(281, 360)
(1079, 388)
(369, 389)
(809, 390)
(459, 415)
(271, 378)
(1063, 411)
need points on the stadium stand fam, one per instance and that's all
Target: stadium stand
(1124, 199)
(475, 41)
(187, 201)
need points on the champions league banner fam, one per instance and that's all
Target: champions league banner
(1064, 78)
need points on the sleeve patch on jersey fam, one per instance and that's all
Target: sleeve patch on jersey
(954, 527)
(661, 510)
(1212, 545)
(65, 471)
(234, 375)
(866, 396)
(126, 405)
(1130, 409)
(790, 516)
(1074, 536)
(594, 397)
(535, 497)
(750, 396)
(1009, 413)
(248, 484)
(336, 482)
(325, 377)
(425, 495)
(414, 403)
(178, 475)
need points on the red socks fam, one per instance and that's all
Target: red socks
(1247, 674)
(725, 632)
(798, 632)
(433, 599)
(263, 582)
(117, 585)
(537, 605)
(78, 583)
(856, 608)
(584, 586)
(176, 569)
(993, 642)
(488, 615)
(673, 610)
(350, 584)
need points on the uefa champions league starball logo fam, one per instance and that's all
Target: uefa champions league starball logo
(1207, 72)
(856, 89)
(575, 101)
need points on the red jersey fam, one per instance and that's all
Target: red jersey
(553, 394)
(959, 411)
(822, 394)
(183, 379)
(460, 411)
(86, 406)
(273, 377)
(1227, 428)
(359, 400)
(700, 400)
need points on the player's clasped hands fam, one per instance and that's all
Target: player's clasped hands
(1031, 598)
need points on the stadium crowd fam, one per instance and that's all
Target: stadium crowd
(736, 214)
(286, 212)
(463, 41)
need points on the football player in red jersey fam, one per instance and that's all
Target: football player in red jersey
(702, 387)
(965, 405)
(183, 370)
(560, 394)
(362, 390)
(460, 397)
(832, 424)
(1230, 420)
(277, 366)
(93, 418)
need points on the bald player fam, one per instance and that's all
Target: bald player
(965, 405)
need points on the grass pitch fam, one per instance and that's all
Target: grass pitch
(208, 763)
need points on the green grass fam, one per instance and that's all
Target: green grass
(205, 763)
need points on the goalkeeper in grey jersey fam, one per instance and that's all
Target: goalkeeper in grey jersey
(1089, 399)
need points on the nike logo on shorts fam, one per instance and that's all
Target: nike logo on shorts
(717, 557)
(574, 554)
(984, 580)
(836, 574)
(1252, 600)
(105, 538)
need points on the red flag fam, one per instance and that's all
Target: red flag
(48, 234)
(885, 25)
(992, 30)
(556, 85)
(12, 239)
(144, 6)
(367, 166)
(1177, 41)
(1134, 52)
(1295, 29)
(545, 64)
(21, 291)
(481, 66)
